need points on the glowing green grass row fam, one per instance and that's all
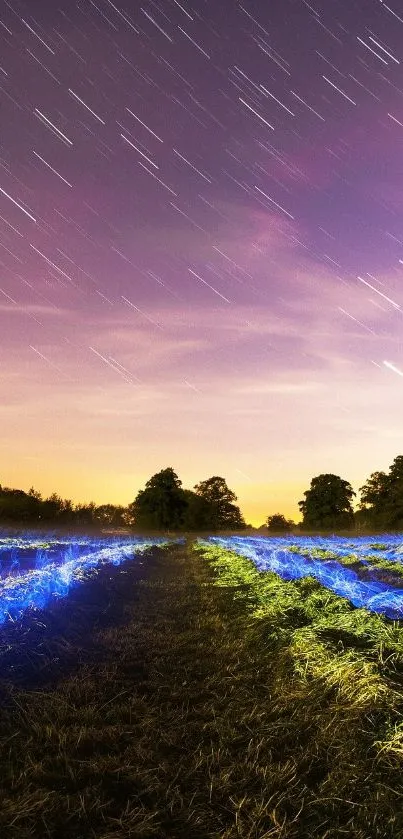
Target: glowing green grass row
(361, 679)
(388, 565)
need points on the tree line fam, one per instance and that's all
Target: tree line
(17, 506)
(164, 505)
(328, 504)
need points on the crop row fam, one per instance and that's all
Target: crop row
(36, 587)
(276, 555)
(356, 655)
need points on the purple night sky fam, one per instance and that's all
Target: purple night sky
(201, 245)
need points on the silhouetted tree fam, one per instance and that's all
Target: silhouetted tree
(55, 508)
(277, 523)
(17, 505)
(110, 515)
(394, 499)
(327, 504)
(84, 514)
(161, 505)
(34, 493)
(374, 499)
(197, 515)
(224, 514)
(382, 498)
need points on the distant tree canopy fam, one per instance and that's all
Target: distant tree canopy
(30, 507)
(327, 504)
(224, 514)
(381, 503)
(277, 523)
(198, 511)
(16, 505)
(110, 515)
(164, 505)
(161, 505)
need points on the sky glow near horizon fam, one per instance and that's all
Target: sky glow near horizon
(201, 245)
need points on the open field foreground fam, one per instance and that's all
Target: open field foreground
(186, 694)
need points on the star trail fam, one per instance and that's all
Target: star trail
(201, 244)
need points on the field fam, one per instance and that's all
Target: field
(33, 570)
(215, 687)
(368, 573)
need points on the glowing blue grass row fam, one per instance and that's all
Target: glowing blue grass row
(18, 554)
(361, 546)
(274, 555)
(17, 560)
(36, 587)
